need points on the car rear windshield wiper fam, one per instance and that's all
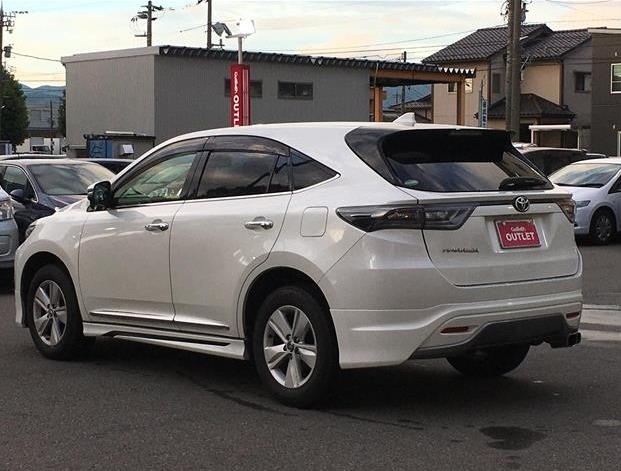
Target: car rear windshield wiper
(521, 183)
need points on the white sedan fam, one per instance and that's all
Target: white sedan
(596, 188)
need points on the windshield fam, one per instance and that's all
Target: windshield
(585, 174)
(68, 179)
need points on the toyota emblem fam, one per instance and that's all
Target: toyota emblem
(521, 204)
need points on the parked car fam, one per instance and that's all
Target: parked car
(32, 156)
(39, 186)
(114, 165)
(596, 188)
(310, 247)
(9, 238)
(550, 159)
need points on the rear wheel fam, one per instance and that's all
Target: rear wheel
(490, 362)
(602, 227)
(294, 346)
(53, 316)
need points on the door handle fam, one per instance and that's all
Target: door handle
(259, 223)
(156, 226)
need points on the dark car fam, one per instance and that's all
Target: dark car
(114, 165)
(550, 159)
(39, 186)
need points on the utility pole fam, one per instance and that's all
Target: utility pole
(209, 43)
(7, 20)
(147, 15)
(51, 127)
(513, 69)
(405, 56)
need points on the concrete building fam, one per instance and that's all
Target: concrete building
(165, 91)
(566, 79)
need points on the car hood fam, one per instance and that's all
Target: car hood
(60, 201)
(579, 193)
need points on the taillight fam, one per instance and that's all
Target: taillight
(435, 216)
(568, 206)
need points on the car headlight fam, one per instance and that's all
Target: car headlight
(6, 210)
(582, 204)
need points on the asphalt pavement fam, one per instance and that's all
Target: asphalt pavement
(133, 406)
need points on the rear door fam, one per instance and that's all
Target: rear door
(226, 230)
(515, 229)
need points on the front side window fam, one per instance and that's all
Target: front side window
(295, 90)
(615, 78)
(14, 179)
(163, 181)
(239, 173)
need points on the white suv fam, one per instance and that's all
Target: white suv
(309, 247)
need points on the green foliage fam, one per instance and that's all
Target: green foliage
(62, 114)
(14, 112)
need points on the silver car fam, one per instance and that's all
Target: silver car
(9, 239)
(596, 187)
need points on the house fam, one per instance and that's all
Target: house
(164, 91)
(568, 77)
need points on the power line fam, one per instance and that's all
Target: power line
(36, 57)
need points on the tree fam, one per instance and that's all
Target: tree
(14, 112)
(62, 114)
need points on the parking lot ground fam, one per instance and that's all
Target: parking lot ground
(142, 407)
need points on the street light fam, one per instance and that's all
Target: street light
(239, 29)
(240, 74)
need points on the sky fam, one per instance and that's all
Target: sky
(372, 29)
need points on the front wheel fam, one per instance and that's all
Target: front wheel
(490, 362)
(294, 346)
(53, 316)
(602, 227)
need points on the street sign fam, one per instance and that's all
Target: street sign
(483, 113)
(240, 95)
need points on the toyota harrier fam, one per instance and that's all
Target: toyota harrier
(313, 247)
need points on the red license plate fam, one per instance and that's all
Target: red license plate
(517, 234)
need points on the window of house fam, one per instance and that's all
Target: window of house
(615, 78)
(452, 86)
(295, 90)
(496, 82)
(256, 88)
(582, 81)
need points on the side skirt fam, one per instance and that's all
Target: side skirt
(209, 344)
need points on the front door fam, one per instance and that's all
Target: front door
(124, 264)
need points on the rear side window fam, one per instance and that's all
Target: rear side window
(441, 160)
(233, 173)
(308, 172)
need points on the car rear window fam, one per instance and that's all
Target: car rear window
(441, 160)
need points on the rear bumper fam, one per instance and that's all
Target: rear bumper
(382, 338)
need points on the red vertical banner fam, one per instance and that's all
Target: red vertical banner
(240, 95)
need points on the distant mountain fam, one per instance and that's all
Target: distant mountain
(43, 93)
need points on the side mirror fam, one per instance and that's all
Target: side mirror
(100, 196)
(19, 195)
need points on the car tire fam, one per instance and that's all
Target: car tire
(294, 346)
(490, 362)
(53, 316)
(602, 228)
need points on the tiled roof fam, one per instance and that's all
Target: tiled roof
(532, 106)
(322, 61)
(538, 42)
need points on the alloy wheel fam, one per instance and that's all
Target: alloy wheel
(49, 311)
(290, 346)
(603, 227)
